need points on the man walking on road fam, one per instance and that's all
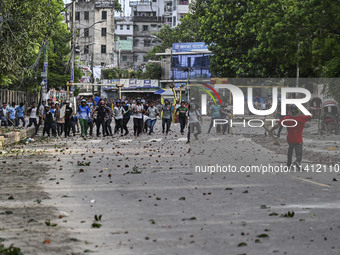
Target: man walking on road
(84, 114)
(215, 111)
(182, 110)
(33, 117)
(194, 118)
(118, 112)
(138, 110)
(294, 136)
(152, 113)
(166, 118)
(68, 118)
(20, 114)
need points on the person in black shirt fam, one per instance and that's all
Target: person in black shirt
(101, 113)
(68, 119)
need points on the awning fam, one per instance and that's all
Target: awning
(160, 91)
(138, 91)
(168, 92)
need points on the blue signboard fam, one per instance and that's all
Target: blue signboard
(187, 47)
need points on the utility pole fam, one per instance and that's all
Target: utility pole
(92, 76)
(72, 46)
(45, 70)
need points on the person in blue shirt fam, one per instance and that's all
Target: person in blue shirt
(84, 114)
(215, 111)
(11, 114)
(20, 115)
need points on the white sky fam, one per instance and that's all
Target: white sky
(127, 7)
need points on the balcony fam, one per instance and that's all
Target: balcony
(104, 4)
(147, 19)
(140, 3)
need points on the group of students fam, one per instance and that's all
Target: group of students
(10, 115)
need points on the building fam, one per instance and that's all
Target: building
(124, 42)
(185, 63)
(174, 11)
(148, 18)
(95, 25)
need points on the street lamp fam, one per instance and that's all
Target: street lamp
(119, 86)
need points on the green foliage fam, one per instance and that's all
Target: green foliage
(11, 250)
(265, 38)
(25, 27)
(152, 71)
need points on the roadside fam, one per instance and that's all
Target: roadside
(26, 221)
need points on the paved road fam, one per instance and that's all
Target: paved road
(153, 202)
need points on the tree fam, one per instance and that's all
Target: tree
(26, 26)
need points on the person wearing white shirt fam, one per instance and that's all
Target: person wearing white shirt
(33, 117)
(137, 110)
(118, 112)
(152, 112)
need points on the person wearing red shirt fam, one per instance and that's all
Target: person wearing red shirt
(296, 124)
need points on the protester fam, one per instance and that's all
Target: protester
(84, 114)
(3, 114)
(152, 113)
(60, 119)
(68, 119)
(126, 116)
(19, 110)
(11, 114)
(215, 111)
(193, 118)
(108, 120)
(166, 117)
(182, 116)
(49, 121)
(294, 136)
(101, 111)
(118, 112)
(137, 110)
(33, 117)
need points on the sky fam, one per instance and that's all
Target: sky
(127, 7)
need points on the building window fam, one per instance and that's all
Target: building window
(103, 49)
(145, 28)
(135, 43)
(154, 1)
(123, 37)
(103, 64)
(174, 21)
(86, 32)
(86, 49)
(103, 31)
(86, 15)
(127, 27)
(77, 15)
(135, 28)
(147, 43)
(104, 15)
(124, 58)
(135, 58)
(121, 27)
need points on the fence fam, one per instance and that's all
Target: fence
(10, 96)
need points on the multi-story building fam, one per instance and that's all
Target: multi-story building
(174, 10)
(148, 18)
(124, 42)
(94, 22)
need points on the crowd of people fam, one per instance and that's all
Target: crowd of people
(61, 119)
